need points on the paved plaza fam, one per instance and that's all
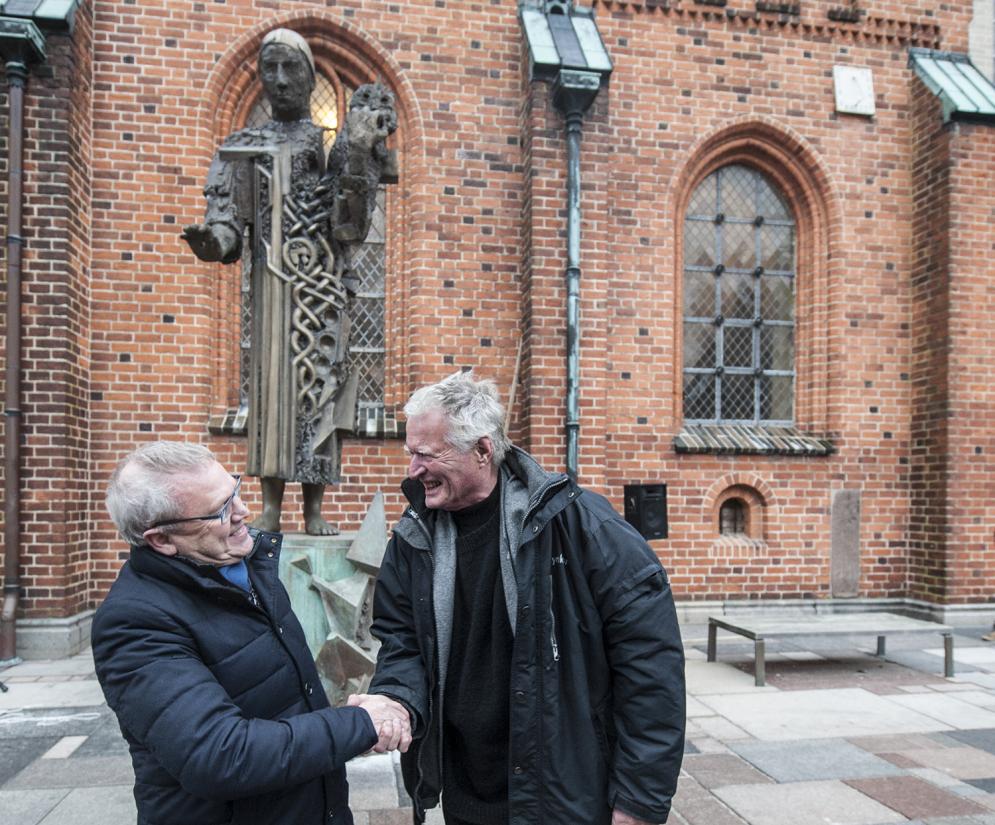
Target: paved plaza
(838, 736)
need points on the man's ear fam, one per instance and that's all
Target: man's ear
(159, 541)
(484, 449)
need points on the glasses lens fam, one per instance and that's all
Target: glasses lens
(228, 505)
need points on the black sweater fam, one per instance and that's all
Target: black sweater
(475, 759)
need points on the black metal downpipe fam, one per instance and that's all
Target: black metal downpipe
(573, 93)
(574, 123)
(17, 76)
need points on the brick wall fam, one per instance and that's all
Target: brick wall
(55, 495)
(145, 333)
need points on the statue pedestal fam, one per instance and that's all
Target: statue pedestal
(330, 580)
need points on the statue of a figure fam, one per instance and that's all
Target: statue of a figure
(304, 218)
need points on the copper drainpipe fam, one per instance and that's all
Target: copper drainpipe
(17, 75)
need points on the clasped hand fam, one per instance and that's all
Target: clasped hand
(390, 718)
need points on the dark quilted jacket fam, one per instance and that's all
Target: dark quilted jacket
(219, 699)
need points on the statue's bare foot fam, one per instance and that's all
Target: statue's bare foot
(317, 526)
(268, 520)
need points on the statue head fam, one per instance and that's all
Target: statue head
(286, 68)
(376, 98)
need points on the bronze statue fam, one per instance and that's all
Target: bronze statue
(303, 219)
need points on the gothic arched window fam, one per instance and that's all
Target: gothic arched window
(739, 301)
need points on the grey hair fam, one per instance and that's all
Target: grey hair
(471, 408)
(141, 490)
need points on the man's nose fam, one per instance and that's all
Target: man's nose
(415, 467)
(239, 512)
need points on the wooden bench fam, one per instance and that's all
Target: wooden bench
(761, 628)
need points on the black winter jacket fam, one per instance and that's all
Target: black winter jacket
(219, 699)
(597, 683)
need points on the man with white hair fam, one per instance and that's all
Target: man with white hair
(529, 631)
(200, 656)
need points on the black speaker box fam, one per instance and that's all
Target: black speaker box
(646, 509)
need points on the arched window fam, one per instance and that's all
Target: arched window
(367, 345)
(739, 301)
(733, 517)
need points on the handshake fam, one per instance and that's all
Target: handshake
(390, 718)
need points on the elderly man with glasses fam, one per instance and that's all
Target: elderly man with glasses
(200, 656)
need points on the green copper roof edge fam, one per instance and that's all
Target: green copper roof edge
(57, 15)
(962, 89)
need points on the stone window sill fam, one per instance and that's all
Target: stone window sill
(749, 439)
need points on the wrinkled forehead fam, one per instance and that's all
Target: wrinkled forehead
(427, 431)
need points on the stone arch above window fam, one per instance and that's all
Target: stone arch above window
(754, 221)
(738, 512)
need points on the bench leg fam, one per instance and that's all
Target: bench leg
(759, 666)
(880, 645)
(948, 655)
(711, 641)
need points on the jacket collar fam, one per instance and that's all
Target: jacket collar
(191, 575)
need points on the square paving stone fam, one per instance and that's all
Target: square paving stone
(719, 728)
(696, 806)
(915, 798)
(982, 739)
(17, 753)
(929, 662)
(696, 708)
(864, 671)
(29, 807)
(899, 760)
(83, 773)
(719, 677)
(806, 803)
(106, 740)
(982, 658)
(112, 805)
(813, 759)
(987, 785)
(981, 698)
(947, 708)
(51, 695)
(982, 679)
(372, 783)
(961, 763)
(715, 769)
(819, 714)
(898, 742)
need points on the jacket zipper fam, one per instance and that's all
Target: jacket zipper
(552, 623)
(419, 808)
(540, 496)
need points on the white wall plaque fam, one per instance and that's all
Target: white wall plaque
(854, 87)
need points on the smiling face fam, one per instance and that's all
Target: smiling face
(452, 480)
(214, 542)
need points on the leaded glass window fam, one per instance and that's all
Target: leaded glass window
(739, 301)
(367, 345)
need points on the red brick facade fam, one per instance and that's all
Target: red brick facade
(128, 337)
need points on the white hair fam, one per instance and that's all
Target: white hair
(471, 408)
(142, 489)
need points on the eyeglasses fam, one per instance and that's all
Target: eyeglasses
(221, 515)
